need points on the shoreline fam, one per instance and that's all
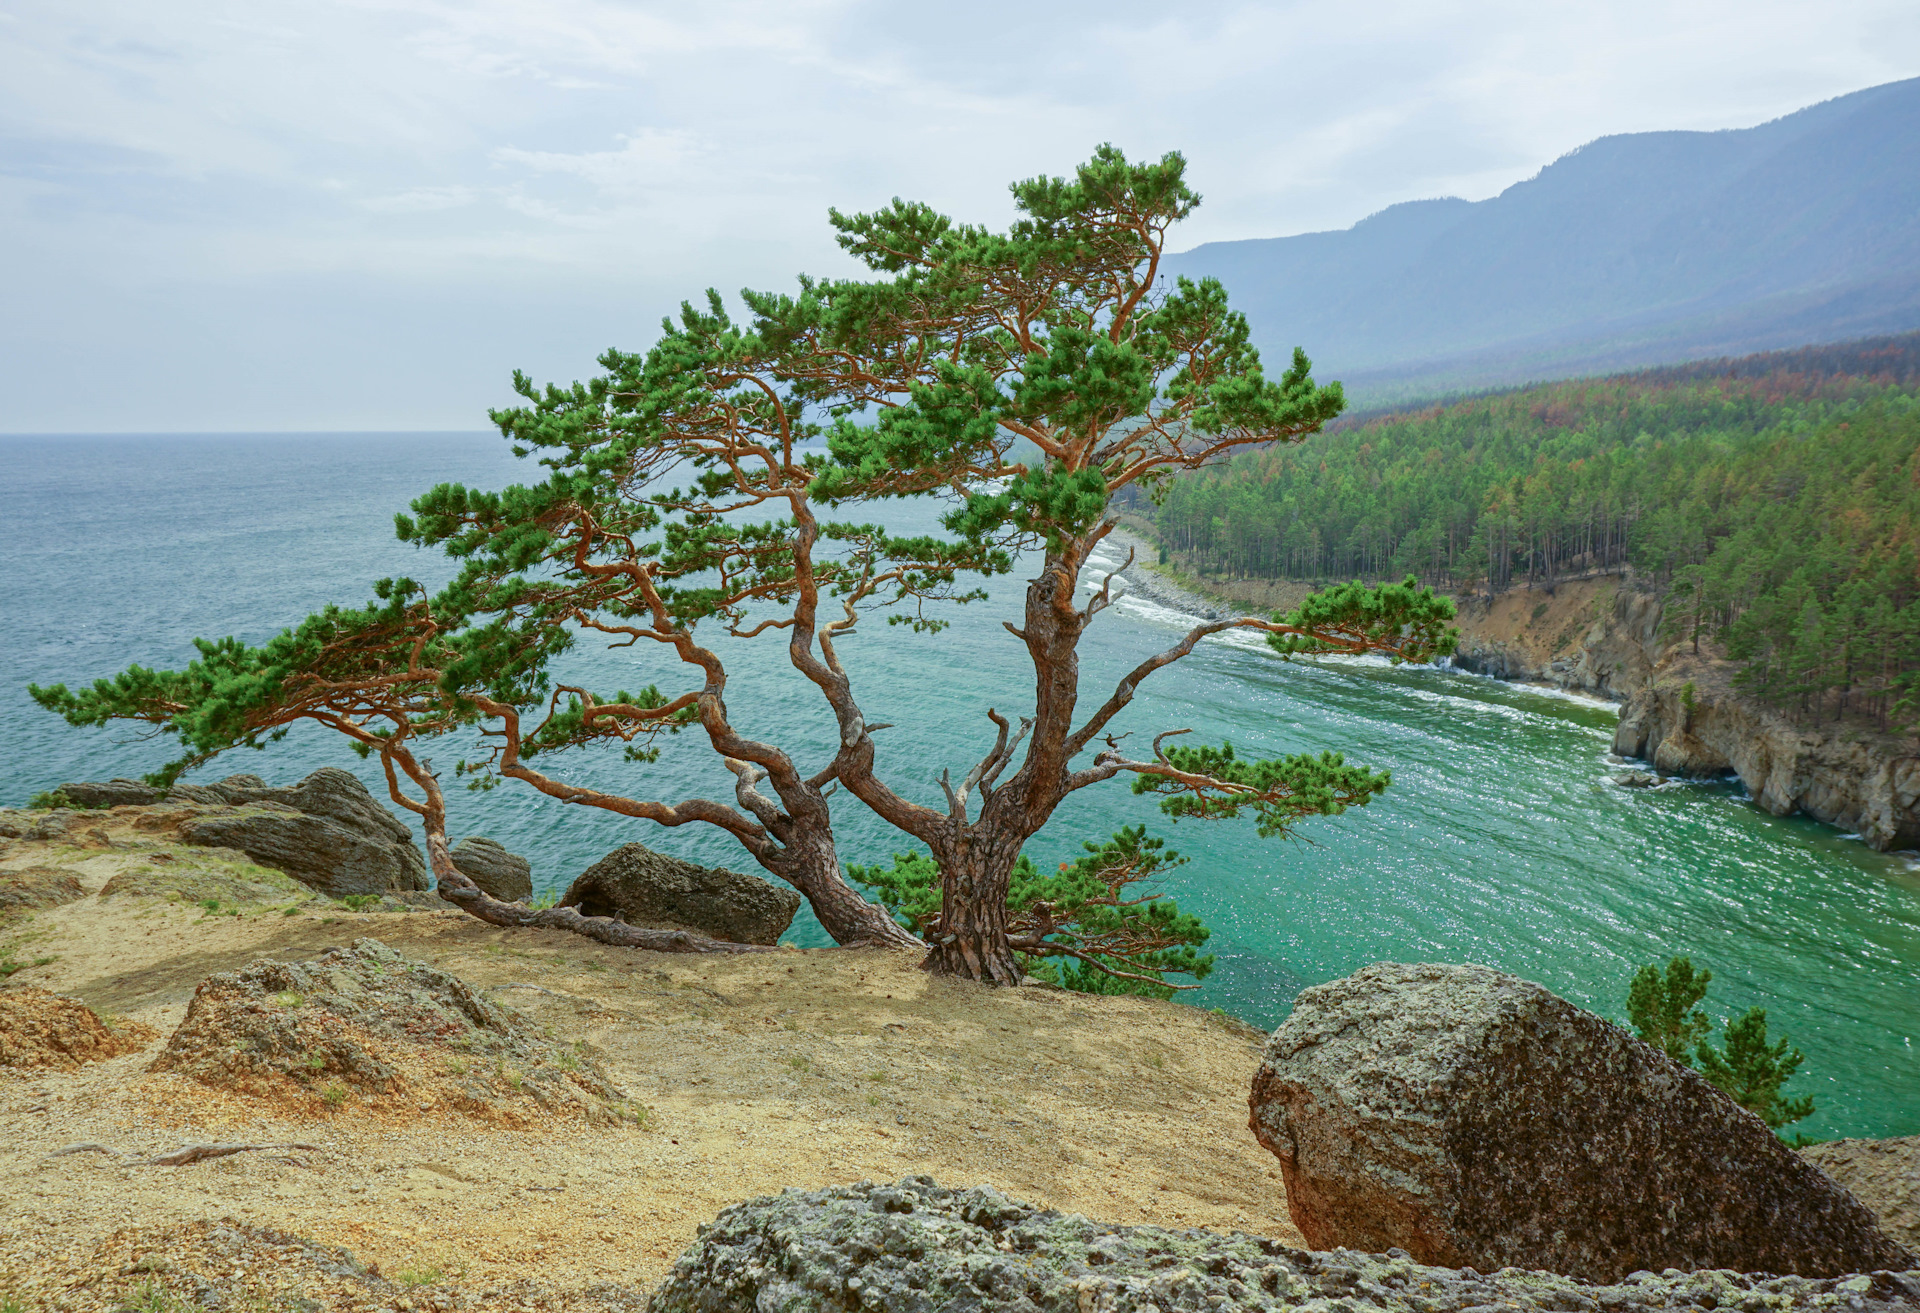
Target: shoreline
(1145, 578)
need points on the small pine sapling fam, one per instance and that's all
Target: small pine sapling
(1664, 1008)
(1752, 1071)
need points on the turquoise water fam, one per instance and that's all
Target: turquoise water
(1499, 842)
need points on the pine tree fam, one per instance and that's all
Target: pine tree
(1752, 1071)
(1663, 1008)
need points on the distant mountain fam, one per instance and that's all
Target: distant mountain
(1633, 250)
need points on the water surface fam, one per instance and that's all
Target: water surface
(1500, 841)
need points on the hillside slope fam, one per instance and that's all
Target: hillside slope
(1729, 547)
(1635, 249)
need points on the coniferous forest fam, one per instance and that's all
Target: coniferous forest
(1776, 497)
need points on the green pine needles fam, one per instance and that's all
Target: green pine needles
(1663, 1007)
(1095, 924)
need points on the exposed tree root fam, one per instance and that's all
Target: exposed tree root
(463, 893)
(187, 1154)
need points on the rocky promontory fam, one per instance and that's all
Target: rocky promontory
(1607, 637)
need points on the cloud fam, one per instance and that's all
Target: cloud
(525, 182)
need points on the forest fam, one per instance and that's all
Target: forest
(1776, 497)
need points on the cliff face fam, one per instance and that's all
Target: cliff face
(1682, 712)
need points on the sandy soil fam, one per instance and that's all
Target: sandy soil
(788, 1069)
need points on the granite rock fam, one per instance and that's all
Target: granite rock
(507, 876)
(1882, 1174)
(111, 793)
(326, 831)
(916, 1247)
(646, 888)
(1470, 1117)
(368, 1023)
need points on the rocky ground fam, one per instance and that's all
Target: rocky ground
(796, 1069)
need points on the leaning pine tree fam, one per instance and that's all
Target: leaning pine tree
(608, 545)
(1058, 339)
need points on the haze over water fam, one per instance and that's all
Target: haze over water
(1500, 841)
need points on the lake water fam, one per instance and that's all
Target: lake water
(1500, 841)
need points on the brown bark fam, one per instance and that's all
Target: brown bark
(971, 941)
(471, 899)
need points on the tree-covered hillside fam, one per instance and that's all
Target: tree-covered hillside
(1778, 496)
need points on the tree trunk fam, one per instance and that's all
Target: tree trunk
(971, 941)
(812, 865)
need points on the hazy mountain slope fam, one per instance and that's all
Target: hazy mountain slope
(1634, 249)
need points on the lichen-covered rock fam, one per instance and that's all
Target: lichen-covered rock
(1470, 1117)
(39, 1029)
(367, 1025)
(506, 876)
(916, 1247)
(36, 887)
(645, 888)
(1882, 1174)
(326, 831)
(111, 793)
(37, 826)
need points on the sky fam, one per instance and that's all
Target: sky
(254, 215)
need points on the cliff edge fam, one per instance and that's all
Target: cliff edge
(1602, 636)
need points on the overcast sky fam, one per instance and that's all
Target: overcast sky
(254, 214)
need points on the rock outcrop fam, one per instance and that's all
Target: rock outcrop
(915, 1247)
(644, 888)
(34, 888)
(1698, 726)
(326, 831)
(33, 825)
(506, 876)
(1472, 1118)
(112, 793)
(1882, 1174)
(366, 1026)
(41, 1030)
(1683, 714)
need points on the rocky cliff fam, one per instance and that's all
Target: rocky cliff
(1602, 636)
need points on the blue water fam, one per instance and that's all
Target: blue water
(1499, 842)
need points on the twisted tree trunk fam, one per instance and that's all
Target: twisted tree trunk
(971, 941)
(810, 863)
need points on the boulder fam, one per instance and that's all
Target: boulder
(39, 1029)
(326, 831)
(35, 888)
(112, 793)
(507, 876)
(915, 1247)
(366, 1025)
(1882, 1174)
(1637, 779)
(1470, 1117)
(35, 825)
(644, 888)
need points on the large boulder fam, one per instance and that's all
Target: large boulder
(1882, 1174)
(507, 876)
(326, 831)
(915, 1247)
(367, 1026)
(1470, 1117)
(644, 888)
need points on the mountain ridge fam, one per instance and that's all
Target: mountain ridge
(1631, 250)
